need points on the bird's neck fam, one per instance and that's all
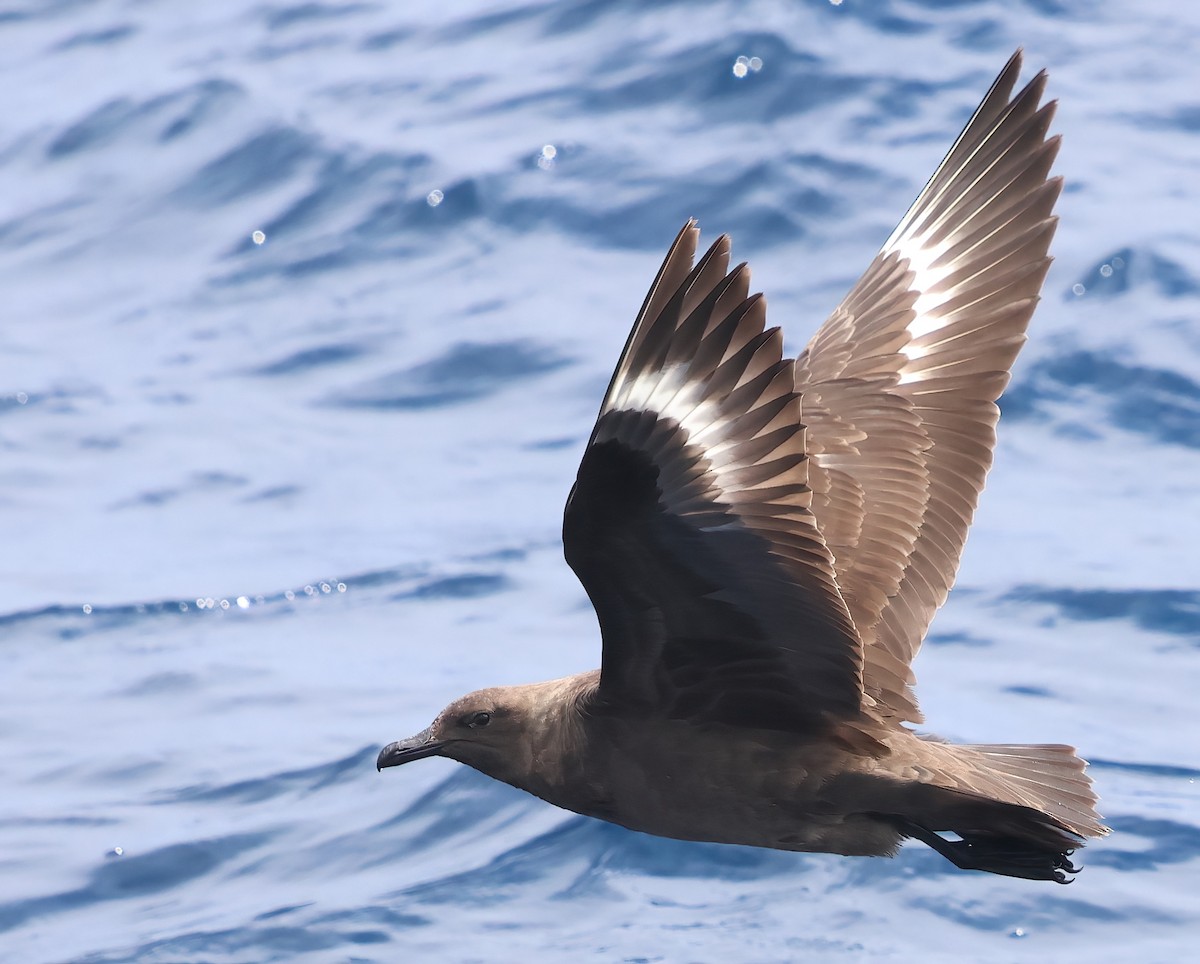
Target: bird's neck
(556, 744)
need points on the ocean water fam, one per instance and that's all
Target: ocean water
(265, 507)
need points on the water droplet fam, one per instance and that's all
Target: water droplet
(341, 587)
(740, 67)
(1078, 290)
(434, 198)
(243, 602)
(115, 852)
(22, 398)
(289, 595)
(258, 237)
(1106, 271)
(755, 64)
(87, 609)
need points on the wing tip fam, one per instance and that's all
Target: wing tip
(689, 234)
(1007, 78)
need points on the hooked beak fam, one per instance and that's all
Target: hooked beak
(405, 751)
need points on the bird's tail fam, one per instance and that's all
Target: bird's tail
(1019, 811)
(1046, 777)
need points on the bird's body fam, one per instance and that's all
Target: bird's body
(611, 767)
(765, 541)
(848, 792)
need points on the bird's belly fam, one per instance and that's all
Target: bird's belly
(737, 793)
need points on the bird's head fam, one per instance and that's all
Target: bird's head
(491, 730)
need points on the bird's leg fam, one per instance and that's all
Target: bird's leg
(998, 855)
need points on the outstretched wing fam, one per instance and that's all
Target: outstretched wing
(900, 383)
(689, 524)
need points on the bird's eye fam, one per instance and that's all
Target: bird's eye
(476, 720)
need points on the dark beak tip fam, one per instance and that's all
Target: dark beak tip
(405, 751)
(385, 758)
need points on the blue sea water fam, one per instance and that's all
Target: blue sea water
(267, 506)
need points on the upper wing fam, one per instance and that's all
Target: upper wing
(900, 383)
(689, 523)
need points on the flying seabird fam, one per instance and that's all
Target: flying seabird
(765, 541)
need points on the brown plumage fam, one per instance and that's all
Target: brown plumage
(762, 583)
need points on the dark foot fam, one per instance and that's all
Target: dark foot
(1008, 856)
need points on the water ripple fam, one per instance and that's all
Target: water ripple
(154, 872)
